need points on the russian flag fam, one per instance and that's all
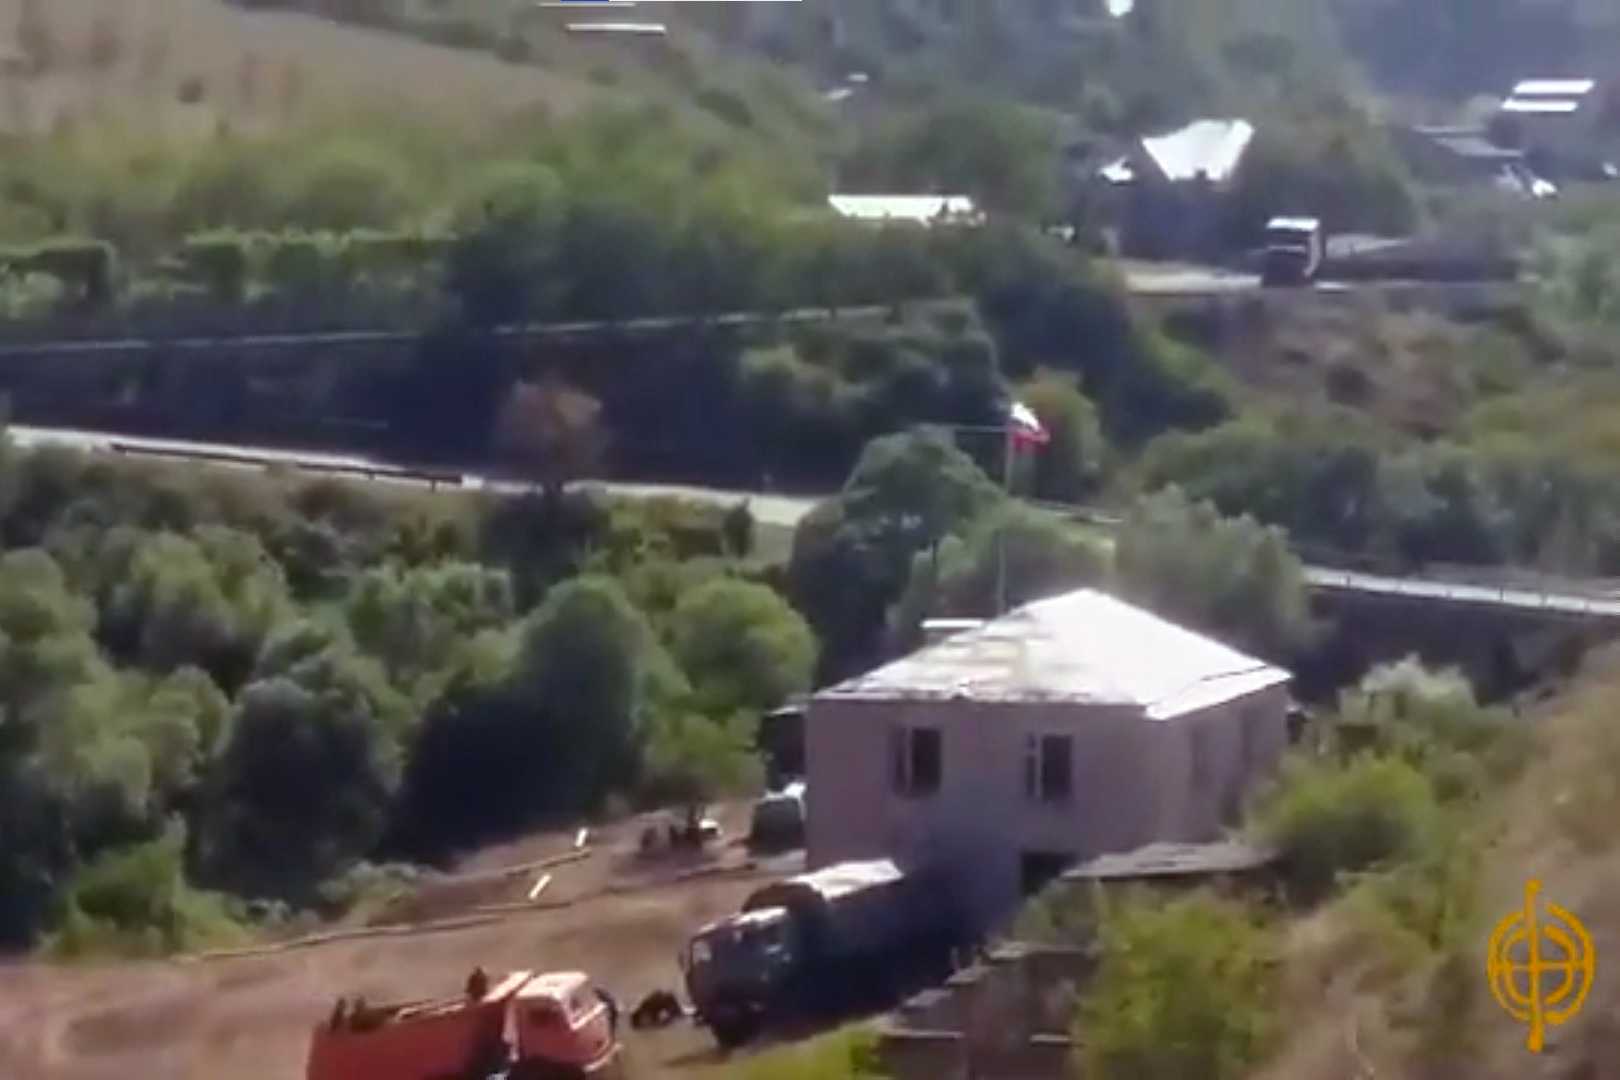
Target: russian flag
(1024, 427)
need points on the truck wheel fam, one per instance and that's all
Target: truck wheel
(733, 1031)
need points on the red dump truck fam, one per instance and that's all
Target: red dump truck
(521, 1026)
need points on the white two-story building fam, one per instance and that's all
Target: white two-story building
(1069, 728)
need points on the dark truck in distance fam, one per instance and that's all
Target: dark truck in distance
(847, 937)
(1294, 251)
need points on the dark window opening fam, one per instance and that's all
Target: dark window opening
(918, 761)
(1049, 768)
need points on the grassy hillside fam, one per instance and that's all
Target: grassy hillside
(190, 64)
(1364, 1004)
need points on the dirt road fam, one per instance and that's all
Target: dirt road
(249, 1017)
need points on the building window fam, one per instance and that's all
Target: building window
(1049, 768)
(917, 754)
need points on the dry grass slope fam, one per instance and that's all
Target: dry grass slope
(140, 58)
(1372, 1011)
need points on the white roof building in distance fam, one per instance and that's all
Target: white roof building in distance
(1084, 648)
(619, 28)
(1549, 96)
(919, 209)
(1214, 148)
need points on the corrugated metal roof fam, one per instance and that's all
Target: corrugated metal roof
(1083, 648)
(1572, 88)
(1541, 105)
(1212, 147)
(922, 208)
(1174, 860)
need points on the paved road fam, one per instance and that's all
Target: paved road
(1594, 599)
(1588, 603)
(338, 338)
(768, 509)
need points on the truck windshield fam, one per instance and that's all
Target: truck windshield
(733, 943)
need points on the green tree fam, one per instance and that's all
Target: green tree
(553, 429)
(590, 663)
(208, 601)
(1221, 575)
(853, 555)
(1328, 819)
(414, 620)
(1041, 554)
(306, 780)
(691, 759)
(502, 262)
(741, 646)
(347, 185)
(1184, 988)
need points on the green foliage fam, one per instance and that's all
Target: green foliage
(1229, 576)
(212, 599)
(507, 239)
(1333, 164)
(1527, 490)
(691, 759)
(1329, 818)
(1003, 156)
(1432, 721)
(137, 900)
(1041, 554)
(742, 646)
(852, 556)
(1070, 467)
(305, 782)
(851, 1054)
(592, 662)
(413, 620)
(87, 267)
(1184, 988)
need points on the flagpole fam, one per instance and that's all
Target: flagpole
(1001, 538)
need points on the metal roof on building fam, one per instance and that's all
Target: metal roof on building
(1083, 648)
(1174, 860)
(1539, 106)
(1212, 147)
(1554, 88)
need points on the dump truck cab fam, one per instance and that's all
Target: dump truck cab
(558, 1026)
(735, 967)
(521, 1026)
(1295, 249)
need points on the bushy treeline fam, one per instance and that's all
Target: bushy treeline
(251, 685)
(920, 531)
(1381, 819)
(1510, 495)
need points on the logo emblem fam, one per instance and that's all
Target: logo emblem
(1540, 966)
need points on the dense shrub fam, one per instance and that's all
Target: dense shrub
(137, 900)
(1329, 818)
(1228, 576)
(1184, 988)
